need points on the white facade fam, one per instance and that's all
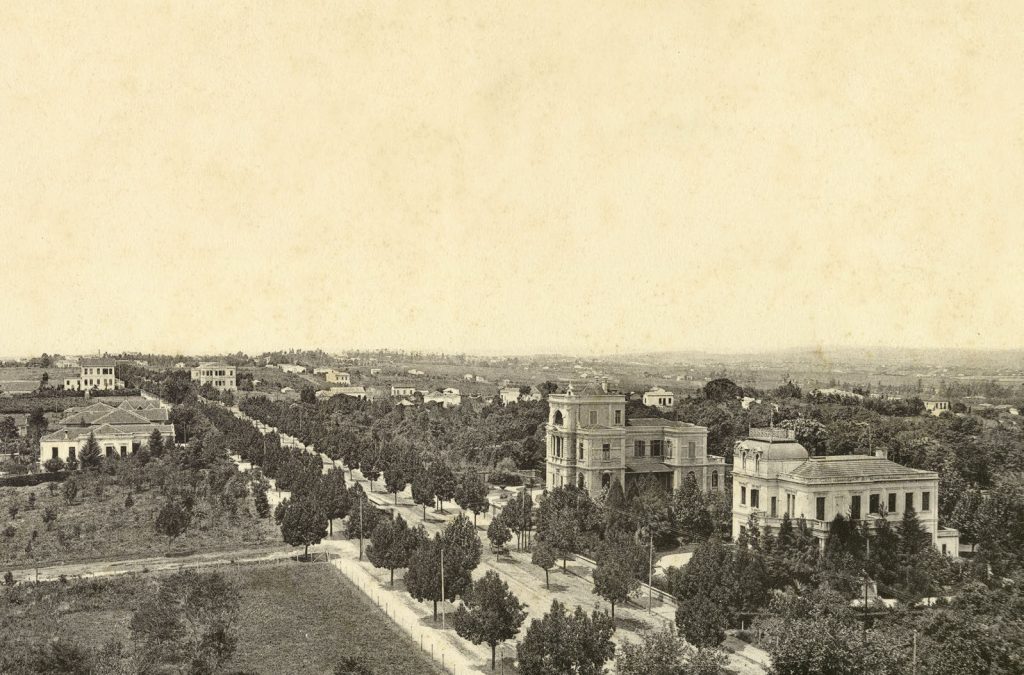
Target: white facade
(94, 374)
(337, 377)
(292, 368)
(402, 390)
(218, 375)
(936, 407)
(773, 475)
(449, 398)
(659, 398)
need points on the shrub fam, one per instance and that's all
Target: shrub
(129, 501)
(54, 465)
(9, 578)
(10, 531)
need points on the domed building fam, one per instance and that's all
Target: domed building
(773, 475)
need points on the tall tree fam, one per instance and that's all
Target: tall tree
(90, 457)
(155, 443)
(544, 557)
(498, 532)
(913, 537)
(443, 481)
(615, 577)
(560, 642)
(395, 478)
(304, 523)
(423, 490)
(471, 494)
(461, 554)
(333, 496)
(390, 545)
(490, 613)
(172, 520)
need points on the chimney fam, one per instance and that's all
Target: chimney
(604, 386)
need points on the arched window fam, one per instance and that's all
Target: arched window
(743, 459)
(557, 420)
(757, 462)
(606, 480)
(714, 479)
(579, 481)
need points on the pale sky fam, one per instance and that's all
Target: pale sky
(510, 176)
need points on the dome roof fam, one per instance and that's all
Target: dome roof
(785, 451)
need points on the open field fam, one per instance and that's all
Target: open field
(293, 617)
(98, 526)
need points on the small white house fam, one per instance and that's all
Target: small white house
(659, 398)
(398, 390)
(292, 368)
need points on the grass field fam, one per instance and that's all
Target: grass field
(304, 617)
(293, 618)
(102, 527)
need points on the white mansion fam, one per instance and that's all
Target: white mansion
(120, 431)
(773, 475)
(94, 374)
(590, 442)
(220, 376)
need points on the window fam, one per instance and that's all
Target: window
(819, 508)
(110, 451)
(755, 501)
(873, 504)
(618, 417)
(606, 479)
(791, 504)
(743, 494)
(892, 502)
(926, 501)
(714, 479)
(909, 503)
(639, 448)
(775, 508)
(581, 451)
(71, 453)
(943, 549)
(655, 448)
(606, 451)
(593, 417)
(54, 451)
(124, 450)
(855, 507)
(691, 450)
(668, 448)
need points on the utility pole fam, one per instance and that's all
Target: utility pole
(360, 529)
(442, 587)
(650, 575)
(864, 627)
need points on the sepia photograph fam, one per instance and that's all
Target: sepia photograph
(525, 338)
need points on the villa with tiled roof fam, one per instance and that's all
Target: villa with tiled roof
(590, 443)
(120, 430)
(773, 475)
(94, 374)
